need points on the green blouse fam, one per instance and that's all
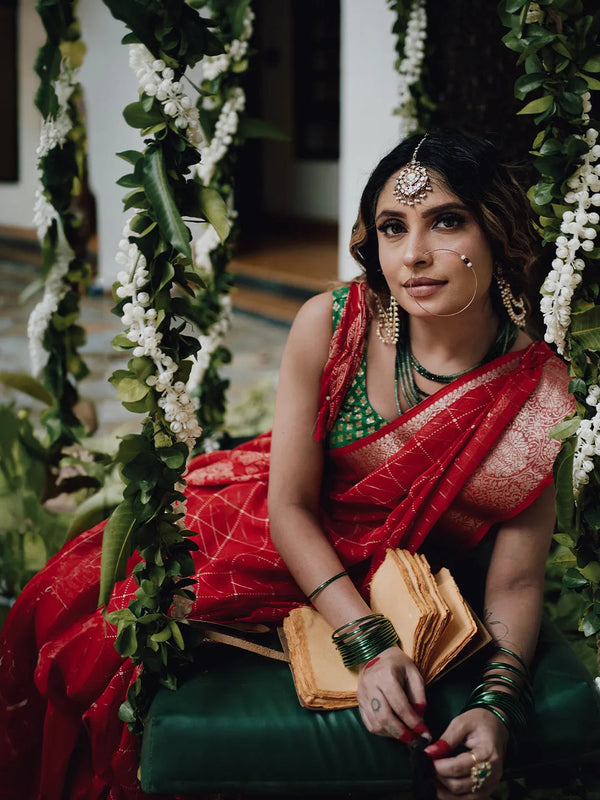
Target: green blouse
(356, 418)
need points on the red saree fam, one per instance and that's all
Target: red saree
(472, 455)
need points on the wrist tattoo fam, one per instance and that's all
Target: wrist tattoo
(375, 704)
(499, 629)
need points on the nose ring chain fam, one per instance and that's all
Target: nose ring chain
(468, 263)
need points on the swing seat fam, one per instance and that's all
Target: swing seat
(237, 726)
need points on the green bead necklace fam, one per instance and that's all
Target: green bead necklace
(407, 365)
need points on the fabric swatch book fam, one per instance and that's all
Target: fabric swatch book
(436, 627)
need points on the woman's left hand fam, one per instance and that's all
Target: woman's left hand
(486, 738)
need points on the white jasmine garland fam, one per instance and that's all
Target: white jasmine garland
(44, 212)
(54, 133)
(235, 51)
(55, 129)
(225, 129)
(157, 80)
(579, 229)
(587, 443)
(411, 66)
(140, 319)
(55, 289)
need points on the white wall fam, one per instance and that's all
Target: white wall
(368, 128)
(16, 199)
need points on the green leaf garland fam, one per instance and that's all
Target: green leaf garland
(557, 42)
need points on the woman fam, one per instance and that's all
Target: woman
(412, 412)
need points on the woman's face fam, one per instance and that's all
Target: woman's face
(414, 242)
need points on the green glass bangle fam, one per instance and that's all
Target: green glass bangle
(324, 585)
(494, 711)
(502, 701)
(516, 657)
(363, 639)
(507, 667)
(350, 627)
(520, 691)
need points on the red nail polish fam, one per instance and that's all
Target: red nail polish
(408, 737)
(438, 749)
(420, 708)
(421, 728)
(371, 663)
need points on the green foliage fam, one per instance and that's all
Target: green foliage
(148, 521)
(557, 45)
(29, 534)
(170, 29)
(228, 15)
(421, 99)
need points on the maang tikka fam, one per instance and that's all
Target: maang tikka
(412, 182)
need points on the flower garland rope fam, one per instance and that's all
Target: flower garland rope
(53, 333)
(222, 108)
(410, 27)
(153, 294)
(558, 45)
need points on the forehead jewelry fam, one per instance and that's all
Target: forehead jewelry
(412, 182)
(468, 263)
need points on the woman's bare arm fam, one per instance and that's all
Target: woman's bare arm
(513, 609)
(390, 691)
(297, 467)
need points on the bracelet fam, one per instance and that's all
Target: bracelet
(517, 658)
(363, 639)
(324, 585)
(512, 704)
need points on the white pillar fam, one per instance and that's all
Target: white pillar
(368, 95)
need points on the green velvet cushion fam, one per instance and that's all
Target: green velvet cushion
(238, 726)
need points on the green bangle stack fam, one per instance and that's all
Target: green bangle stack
(508, 696)
(363, 639)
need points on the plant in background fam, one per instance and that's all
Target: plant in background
(29, 533)
(54, 333)
(557, 42)
(155, 301)
(410, 27)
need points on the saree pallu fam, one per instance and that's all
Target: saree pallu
(472, 455)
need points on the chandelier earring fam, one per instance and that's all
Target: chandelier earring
(388, 327)
(515, 306)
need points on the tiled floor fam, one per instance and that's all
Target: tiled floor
(256, 345)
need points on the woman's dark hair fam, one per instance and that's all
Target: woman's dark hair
(470, 169)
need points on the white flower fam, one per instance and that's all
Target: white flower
(140, 320)
(55, 288)
(587, 443)
(55, 129)
(410, 66)
(208, 345)
(235, 51)
(225, 128)
(156, 80)
(44, 212)
(580, 229)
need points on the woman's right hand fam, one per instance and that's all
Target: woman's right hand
(391, 696)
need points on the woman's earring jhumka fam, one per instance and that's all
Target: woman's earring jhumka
(388, 327)
(515, 307)
(412, 182)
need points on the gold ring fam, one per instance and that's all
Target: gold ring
(480, 772)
